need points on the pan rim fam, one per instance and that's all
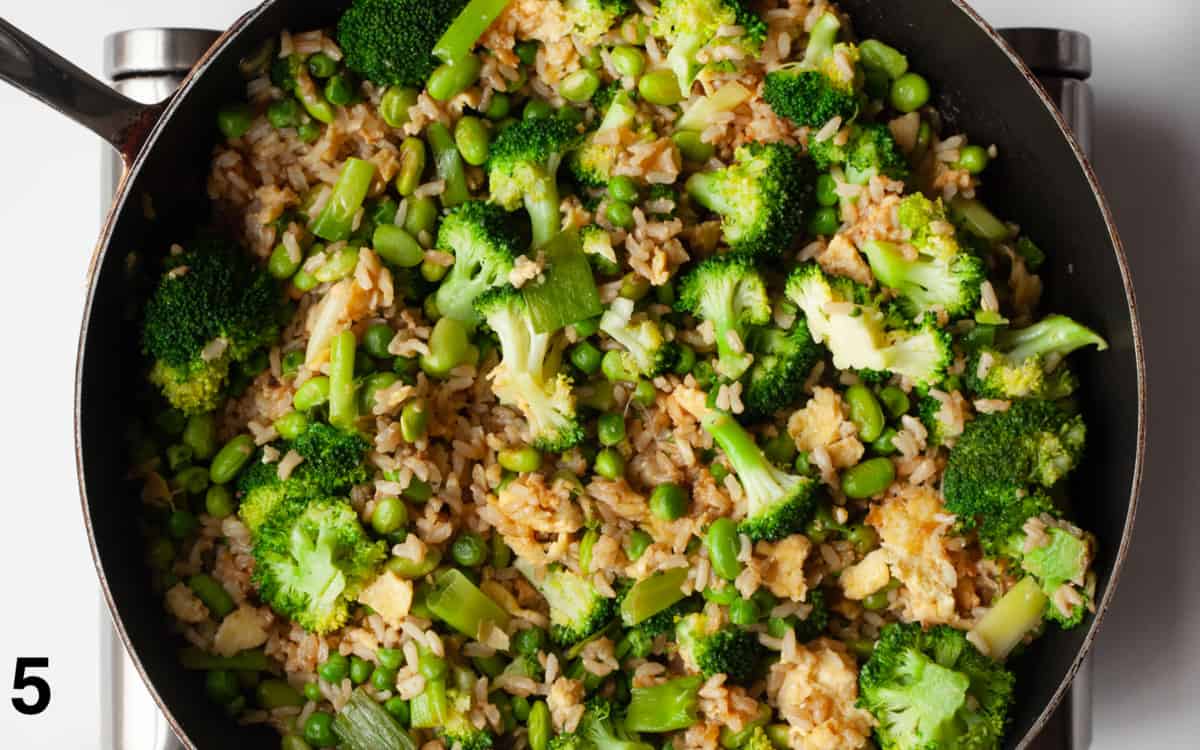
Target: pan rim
(136, 162)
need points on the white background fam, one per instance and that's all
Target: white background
(1148, 145)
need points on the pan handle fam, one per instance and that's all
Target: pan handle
(50, 78)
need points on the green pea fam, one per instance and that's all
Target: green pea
(723, 548)
(335, 669)
(291, 425)
(451, 79)
(609, 464)
(160, 553)
(637, 543)
(339, 90)
(623, 188)
(539, 726)
(499, 107)
(412, 160)
(309, 131)
(719, 472)
(272, 694)
(910, 92)
(312, 394)
(376, 339)
(360, 670)
(291, 362)
(383, 679)
(802, 465)
(501, 554)
(230, 459)
(586, 357)
(827, 190)
(414, 420)
(200, 434)
(527, 52)
(895, 401)
(208, 590)
(521, 460)
(780, 449)
(613, 367)
(669, 501)
(664, 294)
(221, 686)
(318, 730)
(321, 65)
(418, 490)
(610, 429)
(529, 641)
(422, 216)
(284, 113)
(339, 266)
(660, 87)
(472, 138)
(400, 710)
(283, 264)
(390, 658)
(389, 516)
(234, 121)
(865, 412)
(824, 222)
(691, 147)
(579, 86)
(218, 502)
(743, 612)
(884, 445)
(397, 247)
(629, 61)
(396, 102)
(448, 348)
(869, 478)
(974, 159)
(469, 550)
(433, 272)
(686, 360)
(863, 537)
(520, 708)
(876, 601)
(644, 393)
(537, 109)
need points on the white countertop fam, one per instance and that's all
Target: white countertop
(1147, 679)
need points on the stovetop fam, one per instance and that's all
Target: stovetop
(148, 64)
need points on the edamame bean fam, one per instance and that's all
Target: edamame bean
(218, 501)
(339, 266)
(637, 543)
(910, 92)
(335, 669)
(304, 281)
(609, 464)
(389, 516)
(221, 686)
(669, 501)
(422, 217)
(537, 109)
(472, 138)
(743, 612)
(723, 547)
(412, 159)
(451, 79)
(181, 524)
(868, 478)
(876, 601)
(469, 550)
(520, 460)
(272, 694)
(826, 190)
(863, 537)
(213, 594)
(579, 86)
(623, 188)
(865, 412)
(972, 158)
(499, 107)
(539, 726)
(610, 429)
(376, 339)
(283, 263)
(691, 147)
(318, 730)
(192, 480)
(312, 394)
(360, 670)
(200, 434)
(234, 121)
(230, 459)
(448, 345)
(448, 164)
(339, 90)
(291, 425)
(414, 420)
(284, 113)
(878, 56)
(825, 222)
(884, 445)
(629, 61)
(397, 247)
(895, 401)
(394, 105)
(309, 131)
(660, 87)
(586, 357)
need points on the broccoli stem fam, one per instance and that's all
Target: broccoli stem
(431, 707)
(336, 221)
(704, 187)
(888, 265)
(458, 40)
(1009, 620)
(621, 112)
(652, 595)
(682, 58)
(343, 406)
(1055, 334)
(978, 220)
(724, 99)
(462, 606)
(745, 456)
(449, 165)
(363, 724)
(821, 39)
(665, 707)
(542, 204)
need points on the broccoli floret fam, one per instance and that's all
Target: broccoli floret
(783, 360)
(390, 42)
(1000, 455)
(1057, 555)
(458, 730)
(597, 245)
(933, 689)
(870, 151)
(815, 90)
(778, 503)
(757, 739)
(485, 246)
(593, 162)
(926, 283)
(522, 167)
(212, 308)
(688, 26)
(931, 232)
(599, 729)
(1027, 362)
(814, 625)
(647, 353)
(664, 707)
(856, 333)
(593, 18)
(727, 650)
(312, 557)
(760, 198)
(577, 608)
(526, 377)
(929, 411)
(728, 291)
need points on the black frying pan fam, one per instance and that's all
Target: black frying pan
(1042, 181)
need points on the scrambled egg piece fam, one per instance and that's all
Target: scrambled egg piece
(243, 628)
(780, 565)
(389, 595)
(866, 576)
(815, 689)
